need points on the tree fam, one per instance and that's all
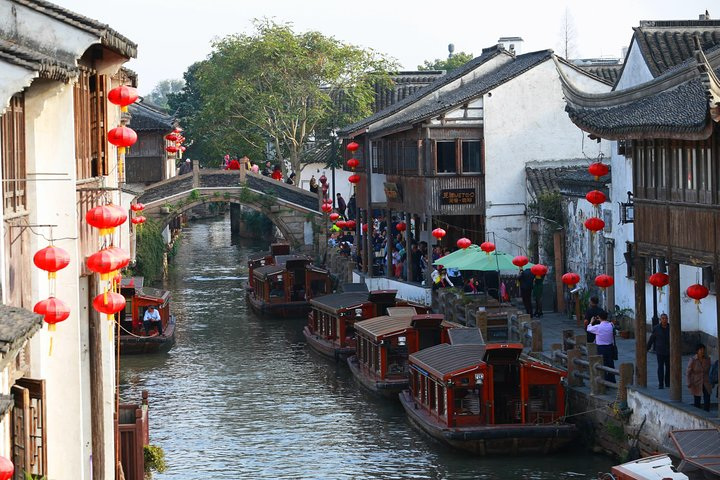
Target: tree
(568, 36)
(275, 90)
(159, 94)
(448, 64)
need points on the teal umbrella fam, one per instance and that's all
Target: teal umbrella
(481, 261)
(458, 256)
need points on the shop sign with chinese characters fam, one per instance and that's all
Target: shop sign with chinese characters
(457, 196)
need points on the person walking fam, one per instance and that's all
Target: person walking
(537, 293)
(604, 332)
(660, 339)
(698, 377)
(593, 310)
(341, 205)
(351, 207)
(526, 280)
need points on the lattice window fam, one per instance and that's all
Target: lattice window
(28, 428)
(91, 147)
(12, 133)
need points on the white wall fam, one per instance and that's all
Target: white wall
(342, 186)
(635, 70)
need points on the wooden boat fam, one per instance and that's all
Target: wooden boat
(487, 399)
(133, 339)
(383, 344)
(283, 286)
(656, 467)
(331, 323)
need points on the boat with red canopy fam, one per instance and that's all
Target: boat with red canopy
(487, 399)
(138, 297)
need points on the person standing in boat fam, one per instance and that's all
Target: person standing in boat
(151, 319)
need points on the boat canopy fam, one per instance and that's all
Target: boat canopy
(466, 336)
(262, 273)
(382, 296)
(355, 287)
(383, 326)
(335, 302)
(292, 260)
(503, 353)
(445, 359)
(401, 311)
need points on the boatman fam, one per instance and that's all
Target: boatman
(152, 320)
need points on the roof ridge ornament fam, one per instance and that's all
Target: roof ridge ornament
(709, 79)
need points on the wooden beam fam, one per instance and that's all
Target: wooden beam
(640, 321)
(97, 405)
(676, 375)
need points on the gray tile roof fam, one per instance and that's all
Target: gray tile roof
(16, 326)
(466, 336)
(336, 301)
(666, 44)
(47, 67)
(608, 73)
(486, 55)
(145, 118)
(444, 359)
(573, 181)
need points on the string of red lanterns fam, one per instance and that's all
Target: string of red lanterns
(487, 247)
(121, 136)
(464, 243)
(52, 259)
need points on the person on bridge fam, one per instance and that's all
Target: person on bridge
(341, 205)
(277, 173)
(291, 179)
(234, 164)
(313, 185)
(267, 171)
(186, 167)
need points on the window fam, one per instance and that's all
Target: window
(12, 134)
(446, 161)
(90, 124)
(28, 427)
(471, 159)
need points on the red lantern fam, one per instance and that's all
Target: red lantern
(352, 146)
(571, 279)
(520, 261)
(123, 96)
(596, 197)
(122, 256)
(659, 279)
(106, 218)
(171, 137)
(364, 227)
(438, 233)
(598, 169)
(538, 270)
(697, 292)
(139, 220)
(182, 148)
(341, 224)
(6, 469)
(353, 163)
(51, 259)
(117, 279)
(109, 303)
(104, 262)
(334, 216)
(137, 207)
(604, 281)
(464, 243)
(487, 247)
(322, 179)
(171, 149)
(354, 179)
(326, 207)
(350, 224)
(401, 227)
(53, 310)
(594, 224)
(122, 137)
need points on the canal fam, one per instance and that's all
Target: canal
(241, 397)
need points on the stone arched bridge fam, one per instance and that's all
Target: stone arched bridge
(293, 210)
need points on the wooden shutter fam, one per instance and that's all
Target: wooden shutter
(29, 427)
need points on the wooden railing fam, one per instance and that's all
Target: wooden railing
(134, 435)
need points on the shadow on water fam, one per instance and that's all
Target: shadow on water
(241, 397)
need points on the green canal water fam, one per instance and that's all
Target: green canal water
(242, 397)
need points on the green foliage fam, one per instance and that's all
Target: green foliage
(150, 250)
(194, 195)
(30, 476)
(279, 87)
(447, 64)
(154, 460)
(159, 94)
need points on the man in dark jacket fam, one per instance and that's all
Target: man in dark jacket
(591, 313)
(526, 279)
(660, 338)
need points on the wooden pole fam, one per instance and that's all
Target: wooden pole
(626, 374)
(537, 336)
(578, 319)
(675, 332)
(640, 321)
(559, 269)
(97, 405)
(716, 274)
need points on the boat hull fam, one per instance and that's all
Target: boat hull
(298, 309)
(138, 345)
(327, 348)
(492, 439)
(384, 388)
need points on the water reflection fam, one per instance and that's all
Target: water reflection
(239, 397)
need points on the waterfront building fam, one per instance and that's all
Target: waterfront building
(147, 161)
(56, 68)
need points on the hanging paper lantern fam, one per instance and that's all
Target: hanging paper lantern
(538, 270)
(352, 146)
(123, 96)
(364, 227)
(571, 279)
(106, 218)
(171, 137)
(326, 207)
(596, 197)
(171, 149)
(520, 261)
(464, 243)
(322, 179)
(604, 281)
(7, 469)
(354, 178)
(401, 227)
(438, 233)
(341, 224)
(137, 207)
(353, 163)
(350, 224)
(122, 256)
(51, 259)
(109, 303)
(104, 262)
(139, 220)
(487, 247)
(117, 279)
(122, 137)
(697, 292)
(598, 169)
(182, 148)
(334, 216)
(594, 224)
(659, 279)
(53, 310)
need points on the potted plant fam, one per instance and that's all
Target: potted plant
(624, 321)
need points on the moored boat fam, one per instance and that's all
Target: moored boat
(383, 344)
(487, 399)
(656, 467)
(133, 338)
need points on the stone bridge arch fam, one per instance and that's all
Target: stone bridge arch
(293, 210)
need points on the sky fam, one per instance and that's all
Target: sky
(173, 35)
